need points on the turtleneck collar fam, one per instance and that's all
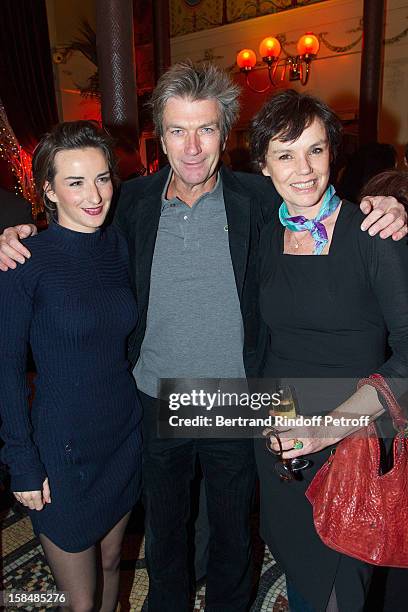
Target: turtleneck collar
(74, 241)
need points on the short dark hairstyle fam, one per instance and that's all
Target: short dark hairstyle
(388, 183)
(64, 136)
(197, 82)
(285, 116)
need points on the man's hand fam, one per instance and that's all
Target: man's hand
(11, 249)
(35, 500)
(385, 215)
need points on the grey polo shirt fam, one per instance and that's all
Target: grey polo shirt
(194, 326)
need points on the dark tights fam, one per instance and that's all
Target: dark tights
(78, 573)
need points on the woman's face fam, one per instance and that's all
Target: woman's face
(300, 170)
(82, 188)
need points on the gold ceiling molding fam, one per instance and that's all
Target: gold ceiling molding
(338, 49)
(188, 16)
(322, 36)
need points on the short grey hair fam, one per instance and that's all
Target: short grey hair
(197, 82)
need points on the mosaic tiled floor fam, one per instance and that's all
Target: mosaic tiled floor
(24, 568)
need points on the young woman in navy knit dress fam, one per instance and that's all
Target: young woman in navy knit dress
(75, 458)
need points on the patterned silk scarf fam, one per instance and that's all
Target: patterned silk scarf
(315, 226)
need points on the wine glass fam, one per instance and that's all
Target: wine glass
(288, 469)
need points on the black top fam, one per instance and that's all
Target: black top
(332, 315)
(328, 316)
(13, 210)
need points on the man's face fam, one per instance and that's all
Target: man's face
(192, 140)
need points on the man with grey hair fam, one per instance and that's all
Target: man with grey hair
(193, 227)
(192, 231)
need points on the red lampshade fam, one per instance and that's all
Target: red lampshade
(270, 47)
(308, 44)
(246, 59)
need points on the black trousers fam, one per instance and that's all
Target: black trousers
(228, 468)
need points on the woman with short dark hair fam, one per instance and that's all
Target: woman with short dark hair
(330, 297)
(75, 461)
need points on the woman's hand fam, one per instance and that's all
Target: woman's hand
(313, 439)
(35, 500)
(353, 414)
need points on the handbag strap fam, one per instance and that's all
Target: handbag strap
(377, 381)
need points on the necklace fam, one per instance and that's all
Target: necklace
(298, 243)
(315, 226)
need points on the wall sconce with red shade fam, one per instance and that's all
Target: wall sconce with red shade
(270, 50)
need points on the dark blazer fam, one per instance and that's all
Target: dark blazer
(250, 202)
(13, 210)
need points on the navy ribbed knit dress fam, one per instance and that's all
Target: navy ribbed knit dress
(73, 303)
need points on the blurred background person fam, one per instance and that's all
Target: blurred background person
(369, 160)
(389, 583)
(14, 210)
(389, 183)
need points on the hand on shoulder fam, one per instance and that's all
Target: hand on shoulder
(385, 215)
(11, 249)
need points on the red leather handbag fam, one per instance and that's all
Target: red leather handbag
(357, 510)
